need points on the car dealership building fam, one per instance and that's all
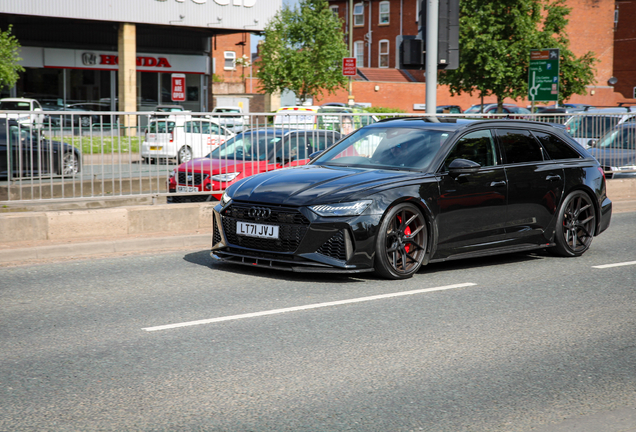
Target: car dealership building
(125, 55)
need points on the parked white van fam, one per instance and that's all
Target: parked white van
(23, 104)
(182, 137)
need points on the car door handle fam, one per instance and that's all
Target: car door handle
(498, 183)
(553, 178)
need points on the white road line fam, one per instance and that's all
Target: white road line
(604, 266)
(306, 307)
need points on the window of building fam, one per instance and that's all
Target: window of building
(383, 60)
(358, 14)
(334, 10)
(384, 12)
(417, 11)
(230, 60)
(358, 52)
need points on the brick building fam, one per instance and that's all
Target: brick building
(379, 26)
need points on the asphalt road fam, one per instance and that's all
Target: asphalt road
(511, 343)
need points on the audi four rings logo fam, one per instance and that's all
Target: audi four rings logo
(259, 212)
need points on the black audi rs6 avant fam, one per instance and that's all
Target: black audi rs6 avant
(401, 193)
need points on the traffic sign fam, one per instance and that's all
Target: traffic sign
(349, 67)
(543, 75)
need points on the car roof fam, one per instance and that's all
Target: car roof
(452, 124)
(16, 99)
(614, 110)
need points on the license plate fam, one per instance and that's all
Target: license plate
(155, 148)
(187, 189)
(257, 230)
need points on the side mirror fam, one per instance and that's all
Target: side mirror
(314, 155)
(462, 167)
(592, 143)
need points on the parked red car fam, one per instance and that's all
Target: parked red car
(248, 153)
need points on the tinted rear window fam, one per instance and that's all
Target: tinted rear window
(161, 127)
(519, 146)
(556, 147)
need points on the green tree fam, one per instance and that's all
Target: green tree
(9, 59)
(303, 50)
(495, 39)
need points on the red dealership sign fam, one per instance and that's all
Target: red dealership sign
(178, 88)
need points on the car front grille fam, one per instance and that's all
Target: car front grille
(216, 234)
(191, 179)
(334, 247)
(292, 226)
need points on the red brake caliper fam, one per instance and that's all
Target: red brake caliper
(407, 232)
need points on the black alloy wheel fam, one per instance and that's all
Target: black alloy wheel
(401, 242)
(576, 225)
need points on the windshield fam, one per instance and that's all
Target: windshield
(250, 146)
(13, 105)
(386, 148)
(473, 109)
(624, 138)
(581, 126)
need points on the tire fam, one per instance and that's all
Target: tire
(575, 226)
(184, 155)
(85, 121)
(69, 165)
(401, 242)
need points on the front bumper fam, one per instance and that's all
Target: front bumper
(605, 216)
(307, 242)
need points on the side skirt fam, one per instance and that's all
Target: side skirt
(496, 251)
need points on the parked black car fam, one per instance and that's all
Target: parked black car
(399, 194)
(34, 155)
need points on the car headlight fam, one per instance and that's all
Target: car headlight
(173, 173)
(341, 209)
(227, 177)
(225, 198)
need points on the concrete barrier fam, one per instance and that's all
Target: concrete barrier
(108, 223)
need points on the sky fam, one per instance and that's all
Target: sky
(255, 39)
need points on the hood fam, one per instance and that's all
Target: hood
(313, 184)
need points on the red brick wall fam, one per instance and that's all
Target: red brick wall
(237, 42)
(405, 16)
(625, 48)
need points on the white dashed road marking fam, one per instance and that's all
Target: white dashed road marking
(604, 266)
(306, 307)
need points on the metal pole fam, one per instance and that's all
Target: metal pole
(351, 46)
(432, 23)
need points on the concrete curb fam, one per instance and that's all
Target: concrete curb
(40, 252)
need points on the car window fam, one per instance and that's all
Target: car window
(292, 147)
(476, 146)
(248, 147)
(161, 127)
(555, 146)
(15, 106)
(623, 138)
(590, 126)
(192, 127)
(386, 148)
(210, 128)
(519, 146)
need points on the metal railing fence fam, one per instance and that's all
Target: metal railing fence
(88, 155)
